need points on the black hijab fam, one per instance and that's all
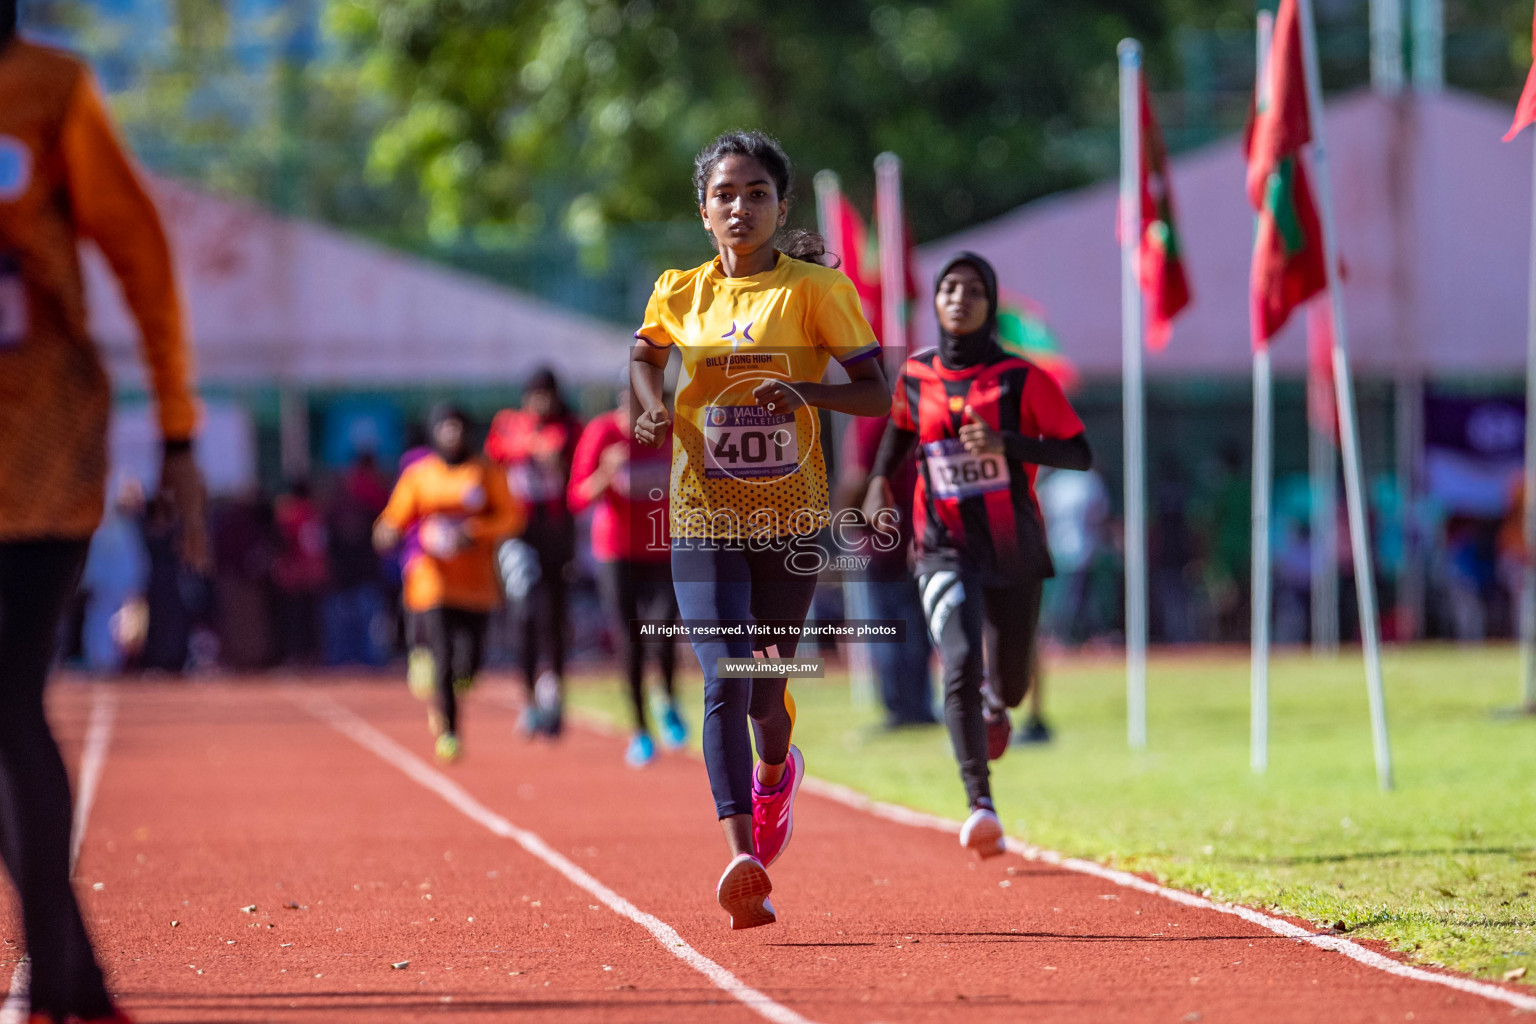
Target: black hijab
(963, 351)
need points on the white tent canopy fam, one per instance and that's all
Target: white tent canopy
(1433, 220)
(277, 300)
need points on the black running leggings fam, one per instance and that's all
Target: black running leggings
(36, 580)
(738, 584)
(456, 637)
(982, 633)
(640, 590)
(540, 618)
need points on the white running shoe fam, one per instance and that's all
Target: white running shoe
(743, 893)
(982, 832)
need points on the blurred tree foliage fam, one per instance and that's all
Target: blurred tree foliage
(514, 115)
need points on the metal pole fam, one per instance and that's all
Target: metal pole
(861, 675)
(1409, 398)
(293, 431)
(1325, 544)
(1135, 433)
(1263, 441)
(1528, 590)
(891, 235)
(1354, 481)
(827, 192)
(1387, 46)
(1428, 46)
(1323, 467)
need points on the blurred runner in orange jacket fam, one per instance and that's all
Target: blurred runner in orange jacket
(460, 509)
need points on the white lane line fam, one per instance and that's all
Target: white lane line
(918, 819)
(16, 1006)
(366, 736)
(93, 761)
(1334, 943)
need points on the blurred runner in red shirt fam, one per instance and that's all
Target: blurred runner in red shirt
(626, 483)
(535, 445)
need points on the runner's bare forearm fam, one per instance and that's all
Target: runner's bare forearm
(895, 445)
(647, 375)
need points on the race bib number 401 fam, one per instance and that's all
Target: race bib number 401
(749, 442)
(956, 473)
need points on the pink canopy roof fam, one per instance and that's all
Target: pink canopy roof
(273, 299)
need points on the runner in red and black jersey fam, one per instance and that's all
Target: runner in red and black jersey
(986, 421)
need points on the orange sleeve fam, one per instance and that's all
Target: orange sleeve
(401, 511)
(112, 209)
(504, 515)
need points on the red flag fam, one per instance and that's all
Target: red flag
(1525, 113)
(860, 258)
(1160, 256)
(861, 261)
(1288, 261)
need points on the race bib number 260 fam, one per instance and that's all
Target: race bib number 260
(956, 473)
(749, 442)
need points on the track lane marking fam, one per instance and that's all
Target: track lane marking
(93, 762)
(855, 800)
(367, 736)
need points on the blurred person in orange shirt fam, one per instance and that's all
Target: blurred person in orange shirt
(460, 507)
(537, 446)
(65, 177)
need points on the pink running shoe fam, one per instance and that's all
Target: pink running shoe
(773, 814)
(743, 893)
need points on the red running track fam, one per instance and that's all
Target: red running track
(291, 800)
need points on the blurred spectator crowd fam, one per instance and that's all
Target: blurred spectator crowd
(296, 580)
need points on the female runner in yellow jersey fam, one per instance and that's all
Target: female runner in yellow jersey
(756, 327)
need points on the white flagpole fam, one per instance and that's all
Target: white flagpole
(1354, 481)
(1263, 444)
(890, 233)
(827, 191)
(1135, 433)
(1528, 589)
(1323, 464)
(861, 674)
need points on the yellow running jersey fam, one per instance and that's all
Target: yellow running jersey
(740, 470)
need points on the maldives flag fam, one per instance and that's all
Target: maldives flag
(1288, 261)
(1525, 113)
(1161, 268)
(1022, 331)
(861, 261)
(860, 257)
